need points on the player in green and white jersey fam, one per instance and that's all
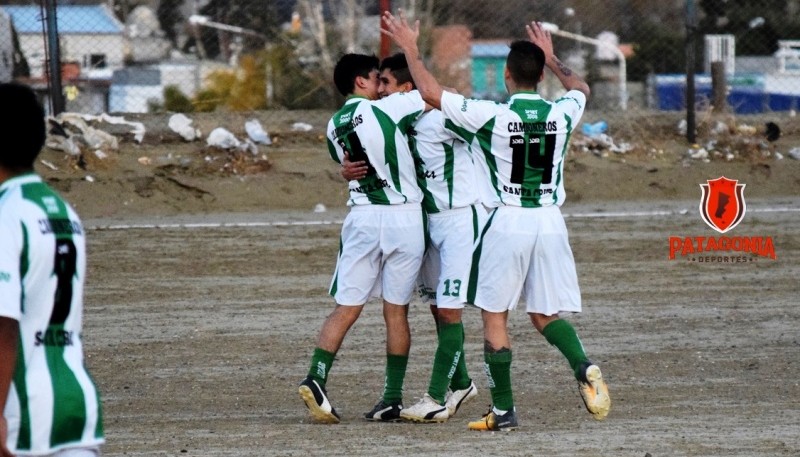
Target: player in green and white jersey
(446, 174)
(383, 236)
(524, 248)
(50, 403)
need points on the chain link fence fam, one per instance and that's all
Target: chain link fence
(129, 56)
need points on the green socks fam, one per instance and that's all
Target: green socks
(562, 335)
(321, 363)
(395, 375)
(449, 355)
(498, 369)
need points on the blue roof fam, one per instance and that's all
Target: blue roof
(92, 19)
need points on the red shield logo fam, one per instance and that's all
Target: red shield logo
(722, 203)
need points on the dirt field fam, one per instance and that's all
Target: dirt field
(207, 288)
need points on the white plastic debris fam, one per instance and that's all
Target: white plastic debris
(719, 128)
(682, 127)
(89, 178)
(794, 153)
(697, 154)
(48, 165)
(745, 129)
(301, 127)
(221, 138)
(320, 208)
(248, 146)
(778, 156)
(256, 132)
(67, 145)
(182, 125)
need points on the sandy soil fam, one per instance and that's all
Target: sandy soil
(207, 286)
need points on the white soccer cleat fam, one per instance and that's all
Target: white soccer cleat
(594, 392)
(426, 410)
(457, 398)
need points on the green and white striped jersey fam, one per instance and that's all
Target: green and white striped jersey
(448, 174)
(53, 403)
(522, 144)
(376, 131)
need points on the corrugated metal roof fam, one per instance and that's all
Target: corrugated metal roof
(88, 19)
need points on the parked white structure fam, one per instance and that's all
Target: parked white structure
(90, 35)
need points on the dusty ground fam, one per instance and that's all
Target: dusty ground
(198, 332)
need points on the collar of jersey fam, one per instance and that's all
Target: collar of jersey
(20, 180)
(355, 99)
(528, 95)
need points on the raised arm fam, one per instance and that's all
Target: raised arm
(405, 37)
(569, 79)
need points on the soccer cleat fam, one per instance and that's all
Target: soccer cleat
(317, 402)
(384, 413)
(426, 410)
(594, 391)
(492, 422)
(457, 397)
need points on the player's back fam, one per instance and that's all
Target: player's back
(52, 389)
(447, 174)
(523, 144)
(376, 132)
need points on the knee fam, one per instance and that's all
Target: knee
(540, 321)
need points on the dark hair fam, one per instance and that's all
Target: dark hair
(525, 63)
(22, 128)
(398, 67)
(351, 66)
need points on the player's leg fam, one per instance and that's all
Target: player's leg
(497, 363)
(398, 344)
(403, 245)
(552, 287)
(495, 283)
(352, 285)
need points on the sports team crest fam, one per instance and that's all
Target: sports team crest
(722, 204)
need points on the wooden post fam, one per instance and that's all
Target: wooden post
(719, 87)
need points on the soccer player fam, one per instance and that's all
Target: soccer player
(524, 247)
(50, 403)
(446, 174)
(382, 238)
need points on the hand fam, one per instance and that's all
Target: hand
(353, 171)
(400, 32)
(541, 37)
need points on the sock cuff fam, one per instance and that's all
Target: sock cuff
(497, 357)
(553, 330)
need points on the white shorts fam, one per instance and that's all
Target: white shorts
(524, 252)
(445, 268)
(380, 254)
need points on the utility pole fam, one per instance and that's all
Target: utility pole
(54, 60)
(386, 44)
(691, 30)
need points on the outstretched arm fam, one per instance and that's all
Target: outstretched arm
(9, 329)
(406, 39)
(569, 79)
